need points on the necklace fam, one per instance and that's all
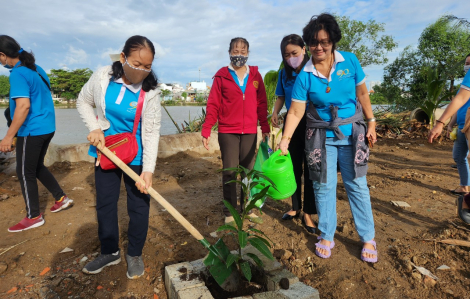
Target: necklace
(328, 88)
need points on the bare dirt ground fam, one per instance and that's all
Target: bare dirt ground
(409, 170)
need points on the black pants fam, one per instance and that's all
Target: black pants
(236, 149)
(297, 153)
(30, 152)
(108, 185)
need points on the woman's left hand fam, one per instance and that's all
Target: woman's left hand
(6, 144)
(371, 134)
(147, 177)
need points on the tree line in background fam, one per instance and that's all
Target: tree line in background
(65, 84)
(414, 78)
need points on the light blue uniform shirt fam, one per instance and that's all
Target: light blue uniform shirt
(26, 83)
(235, 77)
(463, 110)
(121, 105)
(284, 87)
(345, 75)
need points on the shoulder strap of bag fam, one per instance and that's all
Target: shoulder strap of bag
(44, 80)
(138, 112)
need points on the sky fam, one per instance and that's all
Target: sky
(194, 35)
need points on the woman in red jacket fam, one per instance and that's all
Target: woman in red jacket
(237, 101)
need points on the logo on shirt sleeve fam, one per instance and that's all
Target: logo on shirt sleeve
(256, 84)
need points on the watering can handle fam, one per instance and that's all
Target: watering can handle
(276, 154)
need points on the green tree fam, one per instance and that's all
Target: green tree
(435, 92)
(184, 95)
(68, 84)
(443, 45)
(365, 40)
(4, 86)
(446, 43)
(270, 82)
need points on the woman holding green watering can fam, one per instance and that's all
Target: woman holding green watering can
(333, 83)
(294, 57)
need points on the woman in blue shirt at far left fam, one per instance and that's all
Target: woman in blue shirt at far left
(33, 121)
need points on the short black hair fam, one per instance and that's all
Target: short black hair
(467, 56)
(324, 21)
(292, 39)
(133, 43)
(236, 40)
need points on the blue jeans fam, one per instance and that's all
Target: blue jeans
(460, 153)
(340, 152)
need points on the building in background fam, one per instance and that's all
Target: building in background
(197, 86)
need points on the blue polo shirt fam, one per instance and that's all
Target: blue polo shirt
(284, 87)
(463, 110)
(26, 83)
(345, 75)
(121, 105)
(235, 77)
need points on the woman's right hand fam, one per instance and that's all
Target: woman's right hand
(274, 120)
(205, 142)
(283, 146)
(95, 137)
(435, 132)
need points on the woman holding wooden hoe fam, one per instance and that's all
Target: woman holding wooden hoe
(128, 123)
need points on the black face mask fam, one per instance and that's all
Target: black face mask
(238, 60)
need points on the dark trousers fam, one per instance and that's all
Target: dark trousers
(108, 185)
(297, 153)
(30, 152)
(236, 149)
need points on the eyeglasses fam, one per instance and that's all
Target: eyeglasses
(323, 43)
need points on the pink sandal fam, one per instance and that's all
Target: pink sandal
(370, 251)
(327, 248)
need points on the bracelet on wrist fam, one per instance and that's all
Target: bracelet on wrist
(286, 137)
(441, 122)
(371, 120)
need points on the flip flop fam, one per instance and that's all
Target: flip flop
(464, 214)
(327, 248)
(458, 193)
(370, 251)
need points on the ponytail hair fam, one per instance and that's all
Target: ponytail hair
(10, 47)
(134, 43)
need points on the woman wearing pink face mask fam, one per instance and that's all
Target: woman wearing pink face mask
(295, 57)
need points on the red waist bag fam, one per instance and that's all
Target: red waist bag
(123, 145)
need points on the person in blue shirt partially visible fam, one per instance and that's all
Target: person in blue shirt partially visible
(460, 149)
(333, 84)
(33, 121)
(462, 97)
(294, 57)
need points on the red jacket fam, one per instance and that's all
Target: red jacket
(236, 112)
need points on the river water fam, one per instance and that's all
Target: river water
(70, 128)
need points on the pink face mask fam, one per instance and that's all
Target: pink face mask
(295, 61)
